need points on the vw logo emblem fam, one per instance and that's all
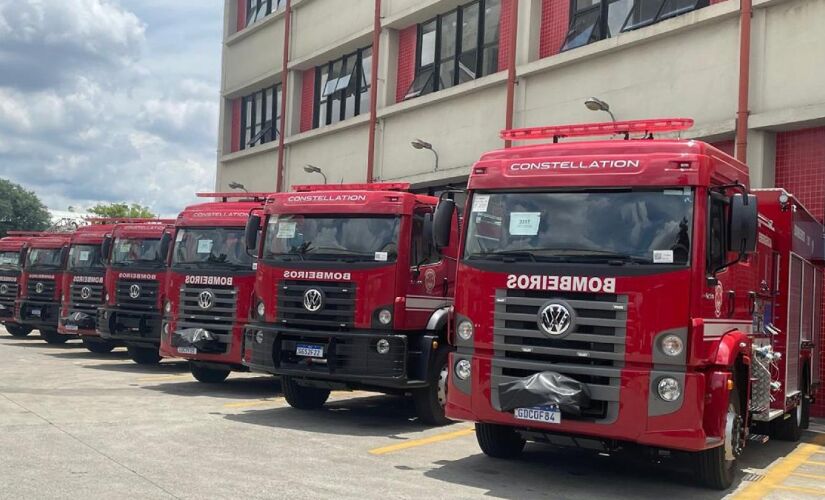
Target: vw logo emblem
(4, 289)
(313, 300)
(85, 293)
(134, 291)
(39, 288)
(556, 319)
(206, 299)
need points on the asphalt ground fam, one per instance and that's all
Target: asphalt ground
(79, 425)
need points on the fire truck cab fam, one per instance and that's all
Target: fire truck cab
(210, 285)
(134, 287)
(12, 256)
(626, 292)
(351, 293)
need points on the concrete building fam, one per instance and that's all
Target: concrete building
(442, 78)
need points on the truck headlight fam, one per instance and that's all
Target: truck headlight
(462, 369)
(107, 297)
(167, 307)
(669, 389)
(465, 330)
(382, 346)
(385, 316)
(166, 328)
(672, 345)
(260, 309)
(259, 337)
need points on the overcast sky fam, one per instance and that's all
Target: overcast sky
(110, 100)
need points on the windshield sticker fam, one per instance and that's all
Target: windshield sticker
(663, 256)
(286, 230)
(381, 256)
(204, 246)
(179, 237)
(524, 223)
(480, 202)
(84, 255)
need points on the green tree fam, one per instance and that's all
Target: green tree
(121, 210)
(21, 210)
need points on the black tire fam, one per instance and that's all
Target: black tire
(16, 330)
(302, 397)
(98, 346)
(712, 468)
(788, 427)
(51, 336)
(431, 400)
(143, 355)
(499, 441)
(208, 375)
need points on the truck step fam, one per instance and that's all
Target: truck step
(759, 438)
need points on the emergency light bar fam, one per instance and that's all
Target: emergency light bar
(235, 196)
(626, 128)
(120, 220)
(374, 186)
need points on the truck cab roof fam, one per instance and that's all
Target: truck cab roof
(56, 240)
(148, 230)
(224, 213)
(373, 199)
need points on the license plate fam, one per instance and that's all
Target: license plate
(309, 350)
(71, 328)
(36, 312)
(544, 414)
(187, 350)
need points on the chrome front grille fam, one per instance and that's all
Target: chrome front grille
(90, 303)
(337, 311)
(217, 318)
(146, 301)
(46, 288)
(8, 294)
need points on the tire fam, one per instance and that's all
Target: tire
(499, 441)
(301, 397)
(789, 426)
(98, 346)
(208, 375)
(18, 330)
(51, 336)
(713, 469)
(431, 400)
(143, 355)
(806, 412)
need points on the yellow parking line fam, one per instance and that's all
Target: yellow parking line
(249, 404)
(815, 462)
(413, 443)
(797, 489)
(778, 473)
(810, 476)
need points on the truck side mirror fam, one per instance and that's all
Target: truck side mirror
(105, 247)
(442, 223)
(743, 224)
(165, 242)
(251, 232)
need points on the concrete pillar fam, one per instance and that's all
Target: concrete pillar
(762, 158)
(295, 84)
(529, 31)
(387, 67)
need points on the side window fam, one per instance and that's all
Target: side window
(423, 251)
(717, 256)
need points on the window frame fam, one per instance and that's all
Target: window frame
(427, 245)
(321, 99)
(715, 201)
(260, 133)
(270, 7)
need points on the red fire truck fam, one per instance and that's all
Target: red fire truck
(625, 292)
(210, 285)
(351, 293)
(134, 286)
(12, 256)
(41, 285)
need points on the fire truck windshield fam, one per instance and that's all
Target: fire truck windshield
(43, 258)
(85, 257)
(617, 227)
(9, 260)
(350, 239)
(133, 252)
(210, 247)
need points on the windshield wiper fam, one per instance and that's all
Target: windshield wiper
(616, 258)
(506, 255)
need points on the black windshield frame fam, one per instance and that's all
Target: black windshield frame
(228, 242)
(47, 258)
(595, 226)
(143, 253)
(74, 263)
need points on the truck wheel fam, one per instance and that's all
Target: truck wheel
(431, 400)
(208, 375)
(301, 397)
(98, 346)
(18, 330)
(143, 355)
(499, 441)
(51, 336)
(788, 427)
(806, 412)
(716, 467)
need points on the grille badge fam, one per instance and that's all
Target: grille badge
(4, 289)
(313, 300)
(556, 319)
(134, 291)
(206, 300)
(85, 293)
(39, 287)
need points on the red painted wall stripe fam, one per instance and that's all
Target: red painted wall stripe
(307, 99)
(235, 142)
(241, 24)
(555, 19)
(407, 41)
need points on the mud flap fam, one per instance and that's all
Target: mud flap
(543, 389)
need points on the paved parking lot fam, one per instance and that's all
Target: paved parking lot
(77, 424)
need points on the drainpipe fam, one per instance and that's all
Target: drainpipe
(511, 70)
(284, 81)
(376, 39)
(746, 11)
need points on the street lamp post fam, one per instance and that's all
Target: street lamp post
(419, 144)
(312, 169)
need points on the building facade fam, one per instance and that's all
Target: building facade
(440, 76)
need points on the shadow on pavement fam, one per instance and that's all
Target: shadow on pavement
(379, 415)
(232, 388)
(38, 342)
(164, 368)
(77, 355)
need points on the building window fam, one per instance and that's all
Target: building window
(342, 88)
(259, 9)
(592, 20)
(457, 47)
(260, 117)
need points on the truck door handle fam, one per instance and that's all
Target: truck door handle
(731, 302)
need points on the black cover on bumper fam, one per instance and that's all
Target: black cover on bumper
(545, 388)
(48, 315)
(78, 320)
(130, 327)
(205, 341)
(348, 356)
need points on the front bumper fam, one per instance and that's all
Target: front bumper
(637, 419)
(130, 327)
(6, 311)
(78, 322)
(348, 357)
(220, 348)
(37, 314)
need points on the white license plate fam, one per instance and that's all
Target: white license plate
(36, 312)
(71, 328)
(309, 350)
(544, 414)
(187, 350)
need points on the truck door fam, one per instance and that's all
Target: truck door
(429, 286)
(816, 351)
